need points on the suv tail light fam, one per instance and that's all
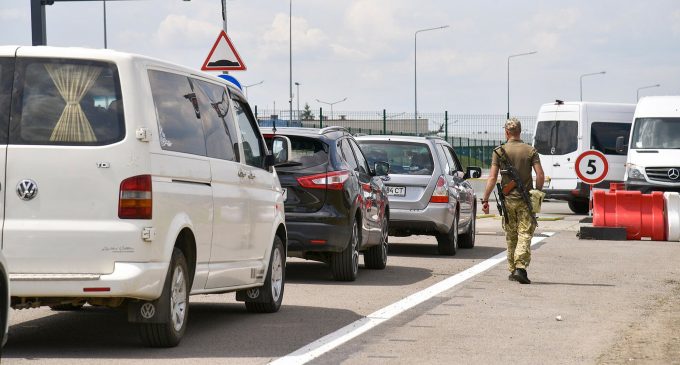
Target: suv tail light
(135, 199)
(441, 192)
(331, 180)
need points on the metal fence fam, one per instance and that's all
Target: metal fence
(473, 136)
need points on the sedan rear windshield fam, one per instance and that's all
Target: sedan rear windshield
(406, 158)
(306, 152)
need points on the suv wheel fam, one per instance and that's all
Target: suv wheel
(272, 290)
(175, 298)
(447, 243)
(579, 206)
(467, 240)
(376, 256)
(345, 264)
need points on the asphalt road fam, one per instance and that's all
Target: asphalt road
(599, 290)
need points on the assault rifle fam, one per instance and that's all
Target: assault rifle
(515, 182)
(500, 202)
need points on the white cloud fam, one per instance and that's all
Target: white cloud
(180, 30)
(305, 37)
(349, 53)
(675, 20)
(13, 14)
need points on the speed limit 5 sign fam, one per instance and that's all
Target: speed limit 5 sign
(591, 167)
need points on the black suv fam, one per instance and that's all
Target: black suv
(336, 203)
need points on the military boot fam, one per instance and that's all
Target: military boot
(521, 276)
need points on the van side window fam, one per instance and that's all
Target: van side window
(253, 148)
(67, 102)
(6, 78)
(603, 136)
(217, 120)
(179, 118)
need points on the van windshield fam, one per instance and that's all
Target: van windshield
(657, 133)
(556, 137)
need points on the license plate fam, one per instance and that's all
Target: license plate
(396, 191)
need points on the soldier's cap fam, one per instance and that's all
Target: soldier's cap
(513, 125)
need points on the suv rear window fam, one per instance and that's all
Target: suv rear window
(67, 102)
(406, 158)
(307, 152)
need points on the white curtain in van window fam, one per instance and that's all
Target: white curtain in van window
(73, 82)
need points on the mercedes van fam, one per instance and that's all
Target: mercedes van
(654, 148)
(131, 182)
(566, 129)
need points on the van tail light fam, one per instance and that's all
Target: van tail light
(441, 192)
(332, 180)
(135, 199)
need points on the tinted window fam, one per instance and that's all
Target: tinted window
(67, 102)
(6, 77)
(347, 154)
(451, 164)
(556, 137)
(361, 160)
(217, 122)
(658, 133)
(179, 117)
(603, 136)
(307, 152)
(404, 157)
(252, 142)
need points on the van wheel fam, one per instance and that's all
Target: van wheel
(272, 290)
(447, 243)
(345, 264)
(175, 299)
(376, 256)
(579, 206)
(467, 239)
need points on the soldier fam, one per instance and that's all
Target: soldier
(519, 227)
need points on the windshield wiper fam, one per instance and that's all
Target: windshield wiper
(288, 164)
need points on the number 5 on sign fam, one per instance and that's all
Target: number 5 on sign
(592, 167)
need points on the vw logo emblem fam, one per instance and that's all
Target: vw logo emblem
(673, 174)
(147, 310)
(253, 293)
(27, 189)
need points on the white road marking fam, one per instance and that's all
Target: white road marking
(358, 327)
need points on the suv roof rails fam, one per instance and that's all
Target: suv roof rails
(332, 129)
(434, 137)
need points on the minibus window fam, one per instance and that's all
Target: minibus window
(603, 136)
(63, 102)
(556, 137)
(656, 133)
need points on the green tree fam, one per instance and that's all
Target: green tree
(307, 113)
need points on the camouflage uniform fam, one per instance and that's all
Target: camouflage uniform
(520, 228)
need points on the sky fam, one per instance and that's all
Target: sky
(363, 50)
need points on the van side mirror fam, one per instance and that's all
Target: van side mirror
(281, 151)
(621, 147)
(473, 172)
(381, 168)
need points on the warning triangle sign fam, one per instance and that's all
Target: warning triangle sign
(223, 56)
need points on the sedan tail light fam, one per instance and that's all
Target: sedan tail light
(441, 192)
(331, 180)
(135, 198)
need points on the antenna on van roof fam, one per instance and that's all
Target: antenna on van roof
(559, 102)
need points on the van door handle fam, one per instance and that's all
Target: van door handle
(241, 173)
(557, 164)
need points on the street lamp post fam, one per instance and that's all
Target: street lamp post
(415, 70)
(298, 99)
(331, 104)
(645, 87)
(251, 85)
(509, 57)
(290, 58)
(581, 81)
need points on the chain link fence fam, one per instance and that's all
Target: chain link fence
(473, 136)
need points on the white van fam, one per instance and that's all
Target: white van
(654, 148)
(133, 182)
(564, 130)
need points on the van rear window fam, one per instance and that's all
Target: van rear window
(6, 78)
(556, 137)
(67, 102)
